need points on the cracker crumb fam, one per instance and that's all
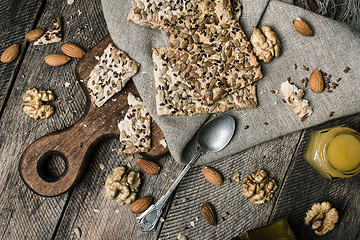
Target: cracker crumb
(129, 158)
(163, 142)
(162, 219)
(101, 166)
(67, 84)
(79, 12)
(69, 2)
(96, 210)
(192, 223)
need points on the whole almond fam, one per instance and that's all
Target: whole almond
(56, 59)
(302, 27)
(72, 50)
(34, 35)
(212, 175)
(209, 214)
(141, 205)
(148, 166)
(316, 81)
(10, 54)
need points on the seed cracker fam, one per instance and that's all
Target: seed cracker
(176, 97)
(53, 35)
(216, 46)
(135, 129)
(110, 75)
(156, 13)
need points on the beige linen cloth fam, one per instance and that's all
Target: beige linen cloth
(334, 47)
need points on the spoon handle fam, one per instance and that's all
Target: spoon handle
(162, 201)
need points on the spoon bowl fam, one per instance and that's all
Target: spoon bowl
(216, 133)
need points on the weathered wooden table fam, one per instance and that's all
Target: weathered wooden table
(25, 215)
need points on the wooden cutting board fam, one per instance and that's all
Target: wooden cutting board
(76, 143)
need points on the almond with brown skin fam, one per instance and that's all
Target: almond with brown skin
(141, 205)
(10, 54)
(209, 214)
(212, 175)
(34, 35)
(72, 50)
(316, 81)
(148, 166)
(56, 59)
(302, 27)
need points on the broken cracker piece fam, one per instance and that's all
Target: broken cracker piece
(53, 35)
(174, 96)
(110, 75)
(135, 129)
(293, 97)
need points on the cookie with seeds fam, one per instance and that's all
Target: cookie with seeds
(159, 13)
(53, 35)
(174, 96)
(110, 74)
(135, 128)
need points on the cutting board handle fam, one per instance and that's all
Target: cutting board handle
(73, 145)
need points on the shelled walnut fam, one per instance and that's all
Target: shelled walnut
(259, 187)
(266, 43)
(322, 218)
(122, 185)
(34, 105)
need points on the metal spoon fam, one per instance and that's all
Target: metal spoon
(212, 137)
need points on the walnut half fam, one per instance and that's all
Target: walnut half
(122, 185)
(322, 218)
(34, 105)
(266, 43)
(259, 187)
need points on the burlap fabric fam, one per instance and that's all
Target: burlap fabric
(334, 46)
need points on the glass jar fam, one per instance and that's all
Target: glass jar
(279, 230)
(334, 152)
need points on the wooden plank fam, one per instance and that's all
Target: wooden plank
(243, 215)
(25, 215)
(100, 218)
(17, 18)
(303, 186)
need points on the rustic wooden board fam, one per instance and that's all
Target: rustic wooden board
(17, 18)
(303, 186)
(99, 218)
(25, 215)
(273, 156)
(75, 144)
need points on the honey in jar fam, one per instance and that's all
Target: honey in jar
(334, 152)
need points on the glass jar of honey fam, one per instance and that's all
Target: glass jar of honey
(334, 152)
